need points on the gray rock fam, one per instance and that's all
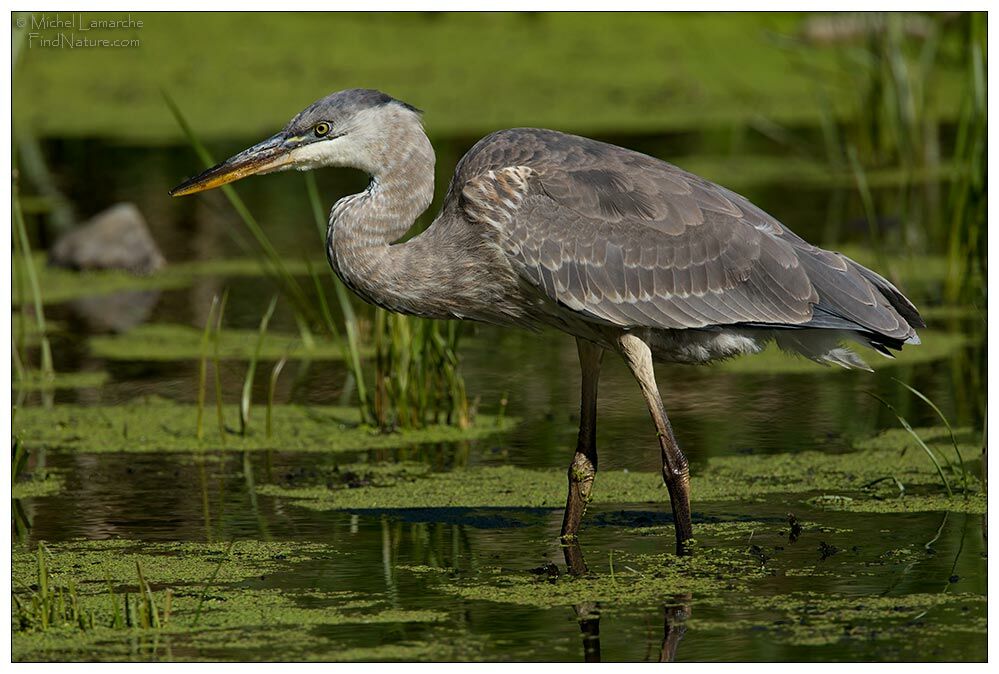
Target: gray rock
(116, 238)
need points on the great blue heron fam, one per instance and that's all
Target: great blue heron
(621, 250)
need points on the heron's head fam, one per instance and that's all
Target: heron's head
(357, 128)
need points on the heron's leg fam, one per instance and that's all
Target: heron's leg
(583, 468)
(676, 474)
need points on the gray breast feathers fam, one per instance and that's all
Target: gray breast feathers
(630, 240)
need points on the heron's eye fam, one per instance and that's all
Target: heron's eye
(321, 129)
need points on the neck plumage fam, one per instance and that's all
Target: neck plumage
(364, 227)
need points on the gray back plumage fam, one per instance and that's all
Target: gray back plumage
(626, 239)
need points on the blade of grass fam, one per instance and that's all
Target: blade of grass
(24, 245)
(953, 439)
(203, 364)
(208, 583)
(919, 440)
(275, 373)
(147, 592)
(274, 263)
(251, 369)
(218, 364)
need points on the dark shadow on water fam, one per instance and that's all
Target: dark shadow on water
(480, 518)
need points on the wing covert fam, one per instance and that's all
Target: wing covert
(631, 240)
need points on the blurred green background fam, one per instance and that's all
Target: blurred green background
(238, 74)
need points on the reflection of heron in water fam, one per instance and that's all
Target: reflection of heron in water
(623, 251)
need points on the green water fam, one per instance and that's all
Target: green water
(438, 545)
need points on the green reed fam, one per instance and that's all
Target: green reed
(886, 79)
(953, 439)
(51, 604)
(272, 263)
(968, 197)
(206, 341)
(217, 362)
(919, 441)
(271, 388)
(251, 369)
(18, 458)
(22, 245)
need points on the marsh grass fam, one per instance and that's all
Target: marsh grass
(271, 261)
(52, 604)
(18, 458)
(890, 81)
(929, 453)
(271, 388)
(953, 439)
(246, 397)
(968, 197)
(206, 341)
(216, 360)
(22, 245)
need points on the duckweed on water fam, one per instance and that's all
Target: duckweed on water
(164, 341)
(811, 619)
(638, 579)
(156, 425)
(724, 478)
(239, 601)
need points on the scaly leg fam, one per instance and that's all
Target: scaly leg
(583, 468)
(676, 474)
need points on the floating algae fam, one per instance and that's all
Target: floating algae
(237, 606)
(640, 579)
(798, 476)
(157, 425)
(812, 619)
(164, 341)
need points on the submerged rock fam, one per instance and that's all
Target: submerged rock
(116, 238)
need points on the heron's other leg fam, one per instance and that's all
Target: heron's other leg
(676, 474)
(583, 468)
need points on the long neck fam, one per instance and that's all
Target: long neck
(363, 227)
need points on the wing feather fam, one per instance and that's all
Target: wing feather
(631, 240)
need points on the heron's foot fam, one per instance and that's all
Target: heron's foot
(678, 485)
